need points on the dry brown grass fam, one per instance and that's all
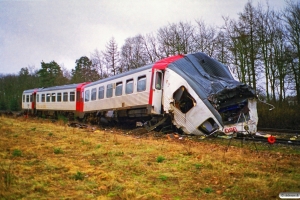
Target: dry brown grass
(44, 160)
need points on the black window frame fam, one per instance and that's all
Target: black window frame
(93, 94)
(129, 81)
(109, 90)
(65, 96)
(101, 92)
(119, 89)
(141, 79)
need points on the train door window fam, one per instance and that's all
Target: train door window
(158, 80)
(141, 83)
(43, 97)
(23, 98)
(101, 92)
(31, 98)
(94, 94)
(48, 97)
(183, 100)
(58, 97)
(119, 88)
(129, 86)
(87, 96)
(109, 90)
(72, 96)
(27, 98)
(65, 96)
(37, 98)
(53, 97)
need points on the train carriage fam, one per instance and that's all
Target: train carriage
(64, 99)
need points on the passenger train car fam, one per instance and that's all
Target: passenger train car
(196, 92)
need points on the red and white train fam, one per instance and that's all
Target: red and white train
(196, 92)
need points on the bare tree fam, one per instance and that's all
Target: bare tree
(98, 63)
(292, 19)
(151, 47)
(204, 38)
(133, 53)
(111, 57)
(175, 39)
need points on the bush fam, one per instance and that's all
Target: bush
(160, 159)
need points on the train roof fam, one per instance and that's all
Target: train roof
(133, 71)
(60, 87)
(31, 90)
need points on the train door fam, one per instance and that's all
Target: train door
(157, 87)
(33, 102)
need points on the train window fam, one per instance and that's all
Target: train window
(158, 80)
(58, 97)
(119, 88)
(72, 96)
(183, 100)
(48, 97)
(30, 98)
(37, 98)
(43, 97)
(53, 97)
(23, 98)
(129, 86)
(141, 83)
(94, 94)
(109, 90)
(27, 98)
(65, 96)
(87, 96)
(101, 92)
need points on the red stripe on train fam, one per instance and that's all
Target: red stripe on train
(161, 65)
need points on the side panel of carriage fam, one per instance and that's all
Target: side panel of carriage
(61, 98)
(127, 92)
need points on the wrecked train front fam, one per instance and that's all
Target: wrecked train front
(204, 98)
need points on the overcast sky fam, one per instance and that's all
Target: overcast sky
(32, 31)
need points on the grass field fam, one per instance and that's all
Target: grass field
(40, 159)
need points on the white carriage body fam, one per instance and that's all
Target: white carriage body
(120, 98)
(61, 98)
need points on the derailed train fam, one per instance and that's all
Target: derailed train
(197, 93)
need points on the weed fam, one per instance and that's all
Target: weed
(98, 146)
(208, 190)
(33, 129)
(160, 159)
(50, 134)
(78, 176)
(17, 153)
(163, 177)
(58, 150)
(198, 166)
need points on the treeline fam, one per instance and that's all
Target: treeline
(261, 47)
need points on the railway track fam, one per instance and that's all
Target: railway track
(291, 141)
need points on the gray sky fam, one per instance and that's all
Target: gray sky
(32, 31)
